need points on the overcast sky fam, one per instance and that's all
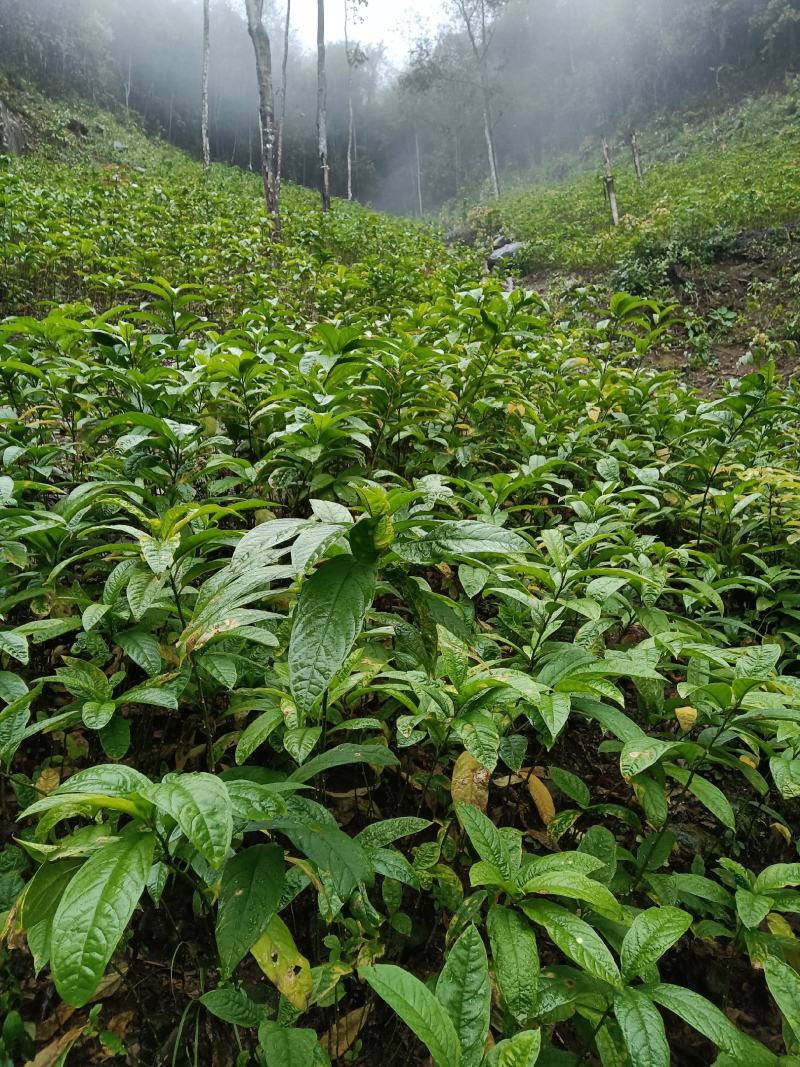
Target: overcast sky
(395, 22)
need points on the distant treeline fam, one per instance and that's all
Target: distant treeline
(559, 72)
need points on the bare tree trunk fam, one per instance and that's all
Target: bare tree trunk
(266, 113)
(610, 187)
(479, 33)
(127, 84)
(204, 89)
(419, 174)
(284, 86)
(350, 118)
(322, 110)
(637, 159)
(489, 134)
(350, 130)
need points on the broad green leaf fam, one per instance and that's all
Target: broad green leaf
(481, 739)
(115, 738)
(257, 733)
(521, 1050)
(583, 862)
(709, 1021)
(379, 834)
(784, 985)
(641, 753)
(331, 850)
(554, 708)
(571, 786)
(460, 538)
(328, 618)
(257, 544)
(652, 933)
(92, 915)
(393, 864)
(13, 644)
(599, 843)
(464, 991)
(96, 715)
(93, 614)
(418, 1008)
(283, 1047)
(757, 662)
(778, 876)
(250, 891)
(752, 908)
(113, 779)
(301, 741)
(143, 648)
(84, 680)
(516, 960)
(709, 795)
(342, 755)
(40, 900)
(786, 775)
(486, 839)
(576, 886)
(200, 805)
(576, 939)
(255, 802)
(643, 1029)
(233, 1006)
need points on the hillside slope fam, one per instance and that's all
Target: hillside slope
(390, 664)
(713, 226)
(97, 208)
(704, 183)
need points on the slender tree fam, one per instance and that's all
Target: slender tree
(477, 17)
(355, 57)
(204, 89)
(266, 111)
(322, 110)
(284, 86)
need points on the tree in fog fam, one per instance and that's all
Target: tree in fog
(322, 110)
(478, 20)
(355, 57)
(284, 88)
(266, 111)
(206, 148)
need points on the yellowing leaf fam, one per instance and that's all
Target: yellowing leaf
(282, 962)
(687, 717)
(782, 831)
(749, 761)
(540, 795)
(778, 926)
(48, 781)
(342, 1036)
(470, 782)
(594, 414)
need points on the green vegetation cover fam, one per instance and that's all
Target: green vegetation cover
(392, 664)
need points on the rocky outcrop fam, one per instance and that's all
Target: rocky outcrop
(503, 251)
(12, 132)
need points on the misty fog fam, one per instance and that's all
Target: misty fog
(561, 74)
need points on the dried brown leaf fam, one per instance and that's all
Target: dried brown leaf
(342, 1036)
(540, 795)
(470, 782)
(49, 1055)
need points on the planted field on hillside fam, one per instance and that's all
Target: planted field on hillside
(702, 185)
(392, 666)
